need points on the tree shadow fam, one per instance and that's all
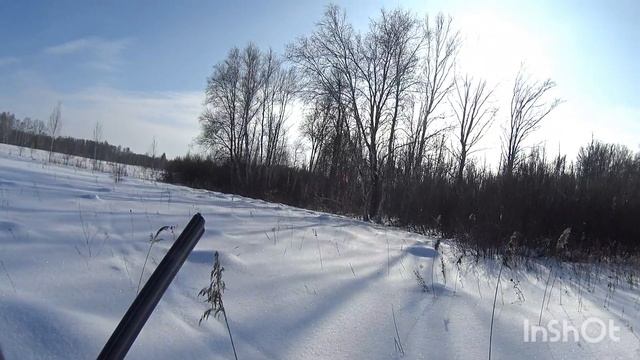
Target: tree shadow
(421, 251)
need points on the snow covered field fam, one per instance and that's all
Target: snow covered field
(300, 284)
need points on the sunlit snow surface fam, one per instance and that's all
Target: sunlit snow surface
(300, 284)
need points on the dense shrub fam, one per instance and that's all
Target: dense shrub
(598, 197)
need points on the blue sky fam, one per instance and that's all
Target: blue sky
(140, 67)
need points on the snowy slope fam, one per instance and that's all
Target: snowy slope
(300, 284)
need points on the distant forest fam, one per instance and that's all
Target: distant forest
(390, 128)
(36, 134)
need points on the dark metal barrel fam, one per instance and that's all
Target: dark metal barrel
(144, 304)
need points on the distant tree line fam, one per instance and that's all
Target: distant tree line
(38, 135)
(390, 128)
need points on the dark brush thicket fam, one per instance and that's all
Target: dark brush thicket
(388, 134)
(28, 133)
(598, 197)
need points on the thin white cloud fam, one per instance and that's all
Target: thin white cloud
(133, 118)
(99, 53)
(8, 60)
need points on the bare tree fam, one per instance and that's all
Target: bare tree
(282, 89)
(249, 105)
(370, 71)
(368, 76)
(153, 148)
(367, 64)
(248, 99)
(328, 61)
(473, 115)
(219, 121)
(54, 125)
(442, 43)
(315, 128)
(400, 31)
(321, 60)
(97, 137)
(269, 68)
(529, 106)
(153, 152)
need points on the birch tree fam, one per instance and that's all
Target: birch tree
(54, 125)
(473, 115)
(530, 104)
